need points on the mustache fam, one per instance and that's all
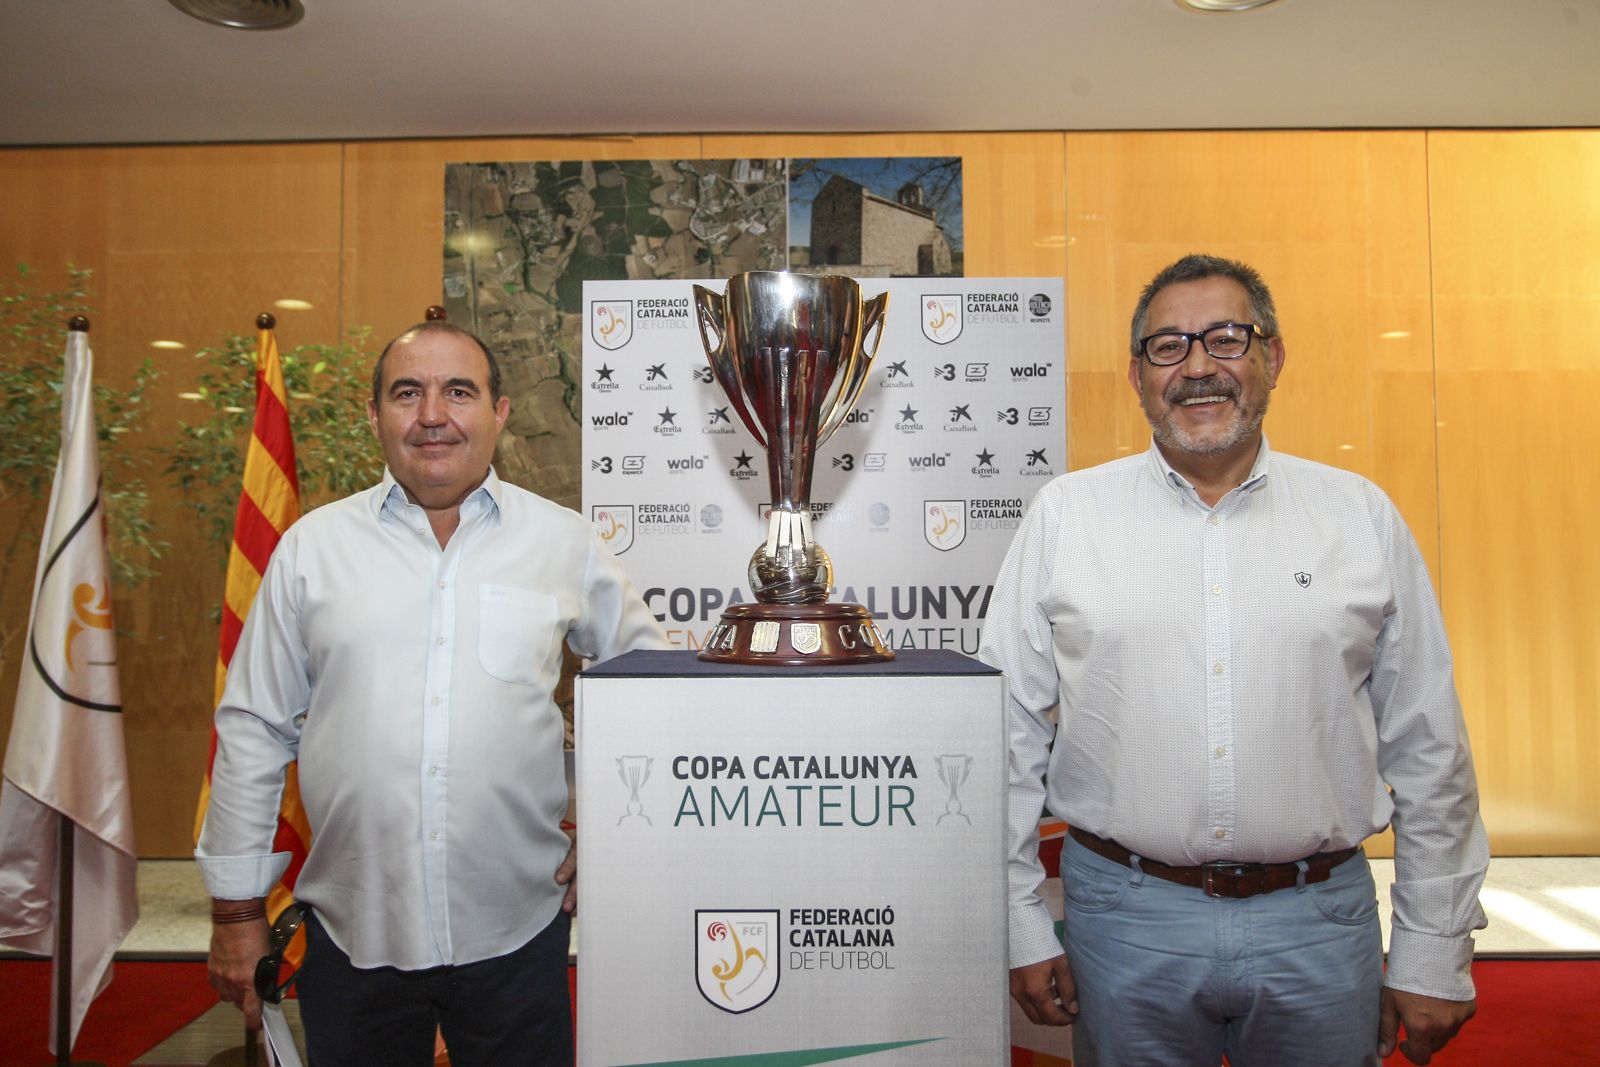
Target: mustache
(1214, 385)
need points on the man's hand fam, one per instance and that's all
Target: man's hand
(1046, 992)
(567, 875)
(231, 968)
(1430, 1022)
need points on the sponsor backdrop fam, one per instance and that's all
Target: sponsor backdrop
(915, 497)
(791, 867)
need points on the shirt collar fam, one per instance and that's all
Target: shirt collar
(391, 496)
(1253, 481)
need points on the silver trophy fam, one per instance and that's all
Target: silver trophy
(792, 352)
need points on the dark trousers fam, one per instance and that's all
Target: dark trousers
(510, 1010)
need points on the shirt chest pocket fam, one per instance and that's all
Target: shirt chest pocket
(517, 631)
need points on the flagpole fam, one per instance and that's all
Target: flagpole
(66, 838)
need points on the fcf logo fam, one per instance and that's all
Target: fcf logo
(736, 958)
(615, 524)
(611, 323)
(941, 317)
(944, 523)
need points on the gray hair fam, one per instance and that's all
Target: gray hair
(1193, 268)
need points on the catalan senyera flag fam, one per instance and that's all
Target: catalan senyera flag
(66, 759)
(268, 503)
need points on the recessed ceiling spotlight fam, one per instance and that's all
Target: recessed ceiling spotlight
(244, 14)
(168, 344)
(290, 304)
(1212, 5)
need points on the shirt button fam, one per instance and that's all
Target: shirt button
(1219, 834)
(441, 585)
(1216, 668)
(1222, 750)
(1219, 671)
(433, 835)
(433, 772)
(1216, 590)
(1213, 519)
(439, 641)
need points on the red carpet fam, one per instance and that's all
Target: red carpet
(1544, 1013)
(145, 1003)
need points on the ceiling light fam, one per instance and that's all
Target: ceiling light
(244, 14)
(167, 344)
(1394, 335)
(289, 304)
(1212, 5)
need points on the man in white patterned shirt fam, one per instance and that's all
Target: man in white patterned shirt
(1226, 669)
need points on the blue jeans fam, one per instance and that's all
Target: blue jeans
(1169, 976)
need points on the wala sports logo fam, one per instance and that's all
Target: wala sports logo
(736, 958)
(611, 323)
(944, 523)
(941, 317)
(615, 523)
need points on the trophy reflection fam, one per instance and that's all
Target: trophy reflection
(791, 352)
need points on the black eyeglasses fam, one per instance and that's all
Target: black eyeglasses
(1227, 340)
(270, 987)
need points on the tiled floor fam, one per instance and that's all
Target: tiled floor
(1536, 905)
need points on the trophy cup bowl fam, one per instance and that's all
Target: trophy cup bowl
(792, 352)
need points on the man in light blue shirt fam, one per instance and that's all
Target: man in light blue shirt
(405, 646)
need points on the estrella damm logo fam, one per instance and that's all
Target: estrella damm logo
(941, 317)
(736, 957)
(944, 523)
(611, 323)
(615, 524)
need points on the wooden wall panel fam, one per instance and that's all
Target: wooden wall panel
(188, 244)
(1516, 275)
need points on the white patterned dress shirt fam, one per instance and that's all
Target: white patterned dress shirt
(1241, 682)
(415, 685)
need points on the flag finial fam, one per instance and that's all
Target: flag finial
(435, 313)
(78, 323)
(265, 321)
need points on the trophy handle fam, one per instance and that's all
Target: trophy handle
(872, 317)
(711, 312)
(708, 305)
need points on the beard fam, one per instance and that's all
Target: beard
(1215, 440)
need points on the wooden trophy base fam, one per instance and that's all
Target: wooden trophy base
(796, 635)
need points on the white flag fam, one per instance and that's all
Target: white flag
(65, 758)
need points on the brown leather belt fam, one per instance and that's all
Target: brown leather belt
(1224, 878)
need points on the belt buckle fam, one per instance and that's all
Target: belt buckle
(1237, 872)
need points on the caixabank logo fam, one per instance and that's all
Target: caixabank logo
(736, 957)
(615, 525)
(611, 323)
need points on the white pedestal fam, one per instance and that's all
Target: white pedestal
(844, 829)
